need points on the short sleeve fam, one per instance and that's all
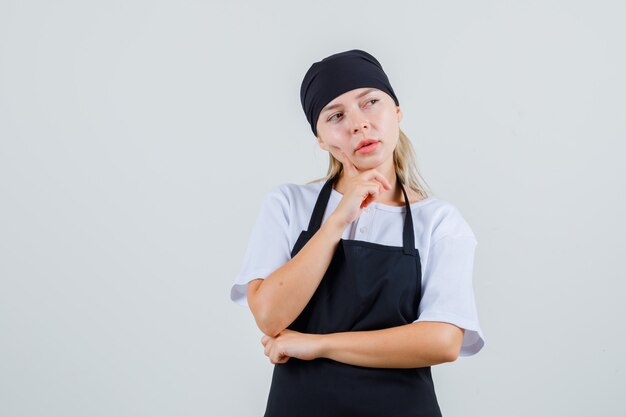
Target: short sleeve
(447, 292)
(268, 245)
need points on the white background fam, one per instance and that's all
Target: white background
(137, 139)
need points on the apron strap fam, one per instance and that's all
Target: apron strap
(408, 234)
(320, 206)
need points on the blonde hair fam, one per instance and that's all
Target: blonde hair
(404, 161)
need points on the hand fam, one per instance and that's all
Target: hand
(292, 344)
(362, 187)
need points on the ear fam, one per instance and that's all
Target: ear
(399, 113)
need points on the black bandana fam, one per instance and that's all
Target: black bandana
(337, 74)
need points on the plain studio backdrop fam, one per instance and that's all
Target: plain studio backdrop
(138, 138)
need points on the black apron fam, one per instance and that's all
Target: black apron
(368, 286)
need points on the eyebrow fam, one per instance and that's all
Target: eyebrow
(334, 106)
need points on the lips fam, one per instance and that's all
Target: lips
(365, 142)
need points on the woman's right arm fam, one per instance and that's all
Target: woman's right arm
(278, 300)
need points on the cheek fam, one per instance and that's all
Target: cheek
(333, 142)
(389, 119)
(391, 125)
(336, 149)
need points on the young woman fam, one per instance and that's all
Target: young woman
(360, 281)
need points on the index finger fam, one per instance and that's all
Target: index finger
(350, 168)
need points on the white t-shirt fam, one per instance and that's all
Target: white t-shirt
(443, 238)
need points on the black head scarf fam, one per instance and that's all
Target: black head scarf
(337, 74)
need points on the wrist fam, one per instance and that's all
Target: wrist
(334, 225)
(323, 345)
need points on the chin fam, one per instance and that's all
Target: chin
(376, 162)
(368, 165)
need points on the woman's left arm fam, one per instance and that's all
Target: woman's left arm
(411, 345)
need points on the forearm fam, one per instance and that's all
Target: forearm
(282, 296)
(412, 345)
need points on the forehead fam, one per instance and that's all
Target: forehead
(355, 94)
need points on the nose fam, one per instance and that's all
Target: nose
(360, 123)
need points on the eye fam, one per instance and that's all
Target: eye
(331, 117)
(373, 99)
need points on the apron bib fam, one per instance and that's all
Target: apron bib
(367, 286)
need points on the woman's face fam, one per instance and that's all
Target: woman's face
(363, 114)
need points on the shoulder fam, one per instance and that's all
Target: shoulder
(295, 193)
(290, 196)
(441, 218)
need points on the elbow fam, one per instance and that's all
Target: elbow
(444, 354)
(265, 319)
(450, 354)
(267, 325)
(447, 341)
(260, 309)
(452, 345)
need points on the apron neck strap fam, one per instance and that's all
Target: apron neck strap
(320, 205)
(408, 235)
